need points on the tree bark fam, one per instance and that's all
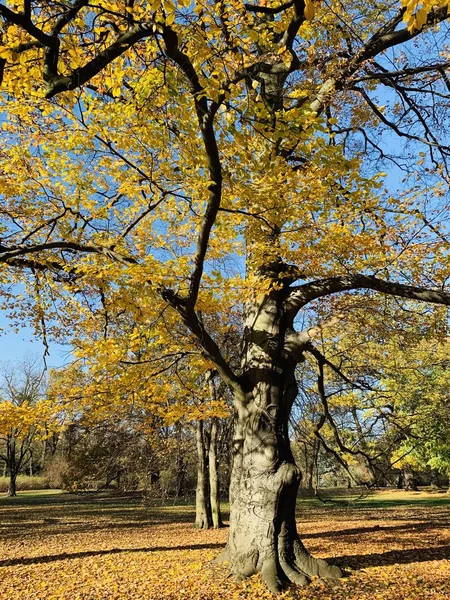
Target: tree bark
(12, 487)
(409, 481)
(434, 479)
(265, 480)
(13, 467)
(203, 518)
(214, 476)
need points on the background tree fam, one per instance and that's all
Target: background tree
(25, 416)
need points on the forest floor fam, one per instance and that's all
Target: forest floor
(53, 546)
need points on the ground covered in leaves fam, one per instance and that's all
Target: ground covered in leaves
(53, 546)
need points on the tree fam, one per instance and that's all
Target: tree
(208, 483)
(182, 140)
(418, 387)
(24, 417)
(375, 394)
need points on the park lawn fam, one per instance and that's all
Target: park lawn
(54, 546)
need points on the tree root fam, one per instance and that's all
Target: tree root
(292, 563)
(314, 566)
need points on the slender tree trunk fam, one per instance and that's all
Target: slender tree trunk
(203, 518)
(312, 465)
(264, 481)
(409, 481)
(180, 475)
(44, 452)
(434, 479)
(12, 465)
(12, 488)
(214, 475)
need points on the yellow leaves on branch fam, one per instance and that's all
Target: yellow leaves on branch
(417, 12)
(20, 420)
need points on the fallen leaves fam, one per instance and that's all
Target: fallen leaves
(62, 548)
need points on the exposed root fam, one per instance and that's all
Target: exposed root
(269, 573)
(222, 558)
(292, 573)
(247, 568)
(314, 566)
(287, 560)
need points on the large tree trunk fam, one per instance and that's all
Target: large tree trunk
(264, 482)
(203, 519)
(434, 479)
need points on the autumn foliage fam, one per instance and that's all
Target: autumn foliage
(211, 186)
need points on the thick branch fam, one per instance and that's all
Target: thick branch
(8, 255)
(295, 342)
(387, 37)
(205, 121)
(303, 294)
(210, 349)
(23, 21)
(268, 10)
(60, 83)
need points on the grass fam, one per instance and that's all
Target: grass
(25, 482)
(55, 546)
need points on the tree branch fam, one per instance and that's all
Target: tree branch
(23, 21)
(205, 120)
(303, 294)
(7, 255)
(57, 83)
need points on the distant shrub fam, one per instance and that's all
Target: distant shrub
(56, 472)
(25, 482)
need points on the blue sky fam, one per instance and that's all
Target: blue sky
(14, 347)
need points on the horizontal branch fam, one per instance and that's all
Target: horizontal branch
(406, 72)
(8, 255)
(303, 294)
(268, 10)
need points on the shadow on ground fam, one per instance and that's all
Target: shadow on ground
(364, 561)
(32, 560)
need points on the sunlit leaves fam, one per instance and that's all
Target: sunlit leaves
(19, 420)
(417, 11)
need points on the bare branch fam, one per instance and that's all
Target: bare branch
(303, 294)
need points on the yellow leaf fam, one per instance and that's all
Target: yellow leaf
(309, 10)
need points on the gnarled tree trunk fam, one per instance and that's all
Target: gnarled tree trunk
(264, 482)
